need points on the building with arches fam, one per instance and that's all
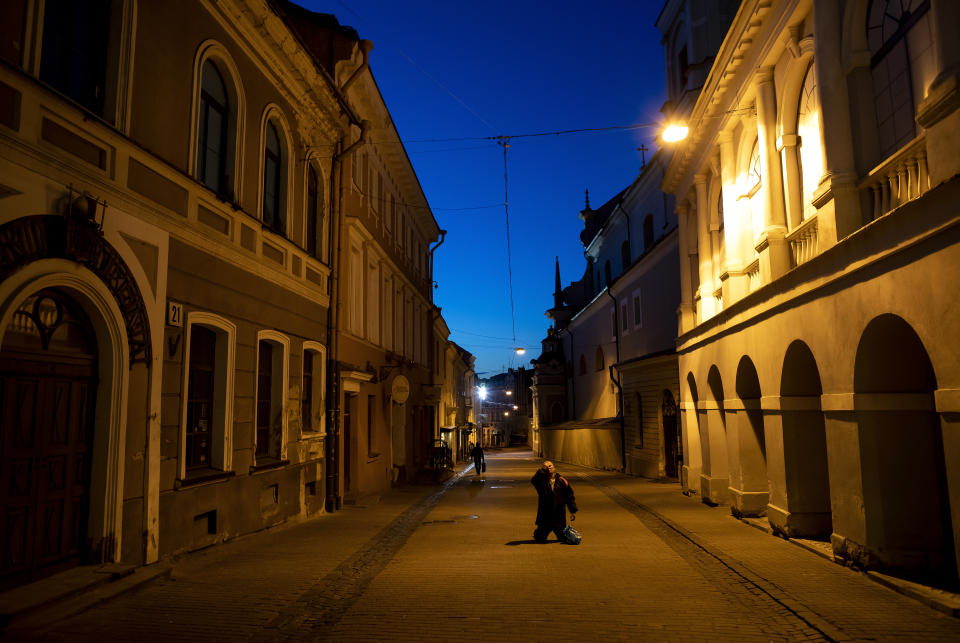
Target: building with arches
(817, 202)
(178, 201)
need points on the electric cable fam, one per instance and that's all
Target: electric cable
(505, 142)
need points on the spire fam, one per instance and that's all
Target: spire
(557, 290)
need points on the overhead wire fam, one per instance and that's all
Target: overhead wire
(425, 73)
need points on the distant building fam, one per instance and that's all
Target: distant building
(611, 353)
(817, 199)
(505, 412)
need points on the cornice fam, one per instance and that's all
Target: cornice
(271, 46)
(750, 40)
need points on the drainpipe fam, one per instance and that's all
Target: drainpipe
(443, 236)
(365, 47)
(333, 499)
(623, 428)
(629, 237)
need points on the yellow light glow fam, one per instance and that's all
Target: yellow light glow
(674, 132)
(506, 412)
(521, 351)
(509, 392)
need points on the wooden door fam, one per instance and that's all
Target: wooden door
(47, 388)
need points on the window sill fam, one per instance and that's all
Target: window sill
(372, 456)
(268, 464)
(202, 477)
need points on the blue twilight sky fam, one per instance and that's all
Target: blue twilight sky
(452, 69)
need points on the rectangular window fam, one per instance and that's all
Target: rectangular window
(264, 396)
(637, 310)
(388, 312)
(356, 291)
(613, 322)
(306, 402)
(200, 398)
(371, 408)
(373, 302)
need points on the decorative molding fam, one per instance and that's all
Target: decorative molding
(80, 240)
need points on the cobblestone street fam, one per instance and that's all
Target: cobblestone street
(458, 561)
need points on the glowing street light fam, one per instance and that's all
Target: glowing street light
(505, 413)
(482, 392)
(509, 392)
(515, 407)
(674, 132)
(520, 350)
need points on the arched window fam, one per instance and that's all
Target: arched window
(647, 232)
(754, 184)
(902, 65)
(316, 229)
(274, 171)
(599, 359)
(753, 172)
(214, 118)
(625, 255)
(808, 128)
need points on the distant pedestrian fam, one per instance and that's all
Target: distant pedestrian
(478, 460)
(555, 496)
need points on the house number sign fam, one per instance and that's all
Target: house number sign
(174, 314)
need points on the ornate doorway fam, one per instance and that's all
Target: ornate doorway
(47, 394)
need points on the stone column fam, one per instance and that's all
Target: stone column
(687, 310)
(938, 112)
(772, 245)
(837, 200)
(704, 251)
(792, 181)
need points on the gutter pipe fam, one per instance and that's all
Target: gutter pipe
(333, 498)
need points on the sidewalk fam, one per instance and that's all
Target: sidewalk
(279, 565)
(801, 574)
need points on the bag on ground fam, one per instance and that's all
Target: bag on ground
(483, 466)
(571, 535)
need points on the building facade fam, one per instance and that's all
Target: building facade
(818, 227)
(177, 211)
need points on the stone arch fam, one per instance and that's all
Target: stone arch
(672, 452)
(908, 522)
(113, 368)
(748, 455)
(800, 503)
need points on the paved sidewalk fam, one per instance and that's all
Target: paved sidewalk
(458, 560)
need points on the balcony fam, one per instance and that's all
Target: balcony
(803, 241)
(901, 178)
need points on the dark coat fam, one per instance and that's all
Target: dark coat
(477, 453)
(553, 503)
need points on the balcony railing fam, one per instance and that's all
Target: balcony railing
(803, 241)
(901, 178)
(753, 274)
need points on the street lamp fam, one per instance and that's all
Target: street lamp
(520, 350)
(674, 132)
(509, 392)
